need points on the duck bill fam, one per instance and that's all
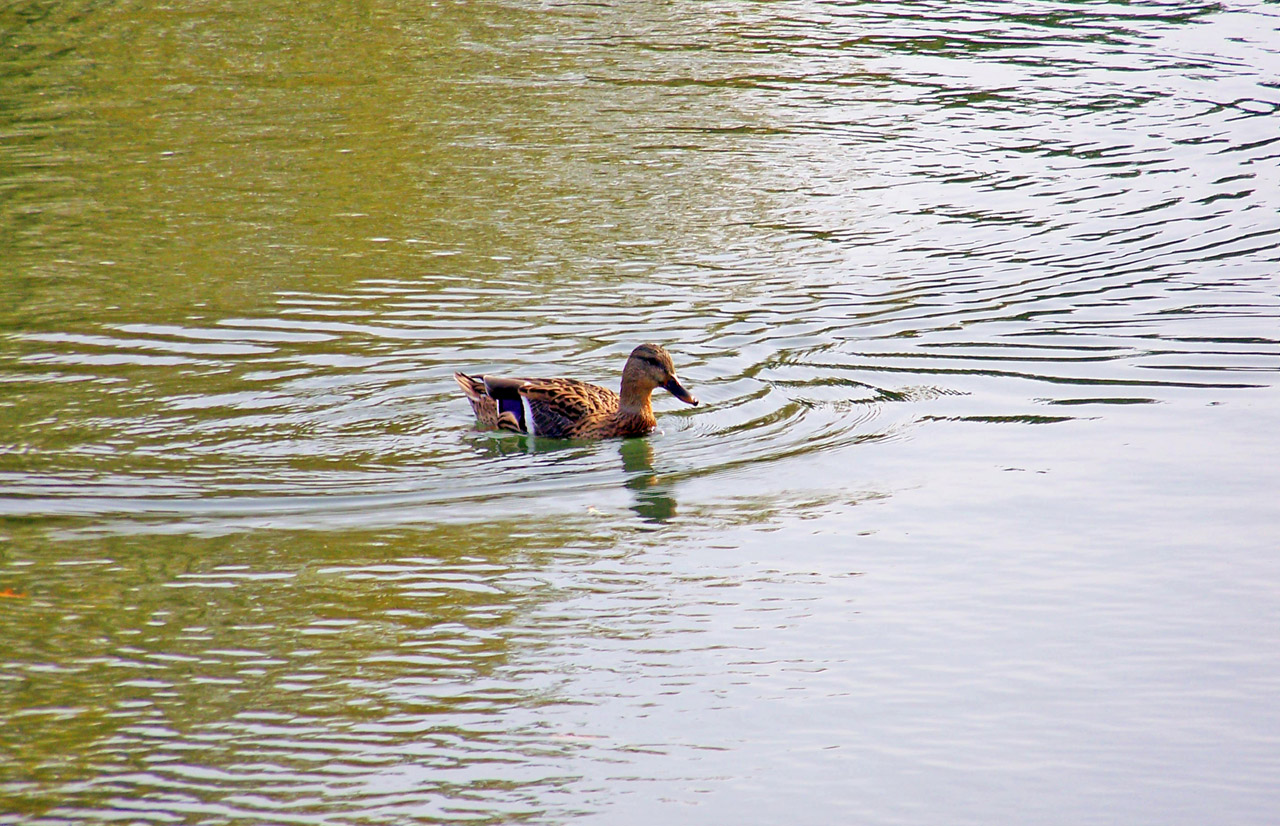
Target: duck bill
(675, 388)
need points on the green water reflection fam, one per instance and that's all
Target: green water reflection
(153, 667)
(210, 156)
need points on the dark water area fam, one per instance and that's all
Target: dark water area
(977, 522)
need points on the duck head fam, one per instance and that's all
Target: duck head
(650, 366)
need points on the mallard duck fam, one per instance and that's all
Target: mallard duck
(572, 409)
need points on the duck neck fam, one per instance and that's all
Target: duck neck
(633, 401)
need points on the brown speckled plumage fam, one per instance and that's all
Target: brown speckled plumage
(571, 409)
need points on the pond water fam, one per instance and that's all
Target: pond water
(978, 521)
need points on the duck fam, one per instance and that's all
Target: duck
(563, 408)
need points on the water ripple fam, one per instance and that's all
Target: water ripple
(891, 216)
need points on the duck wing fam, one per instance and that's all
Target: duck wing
(562, 408)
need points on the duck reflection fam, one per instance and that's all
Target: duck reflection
(653, 500)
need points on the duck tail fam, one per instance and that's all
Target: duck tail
(473, 386)
(503, 413)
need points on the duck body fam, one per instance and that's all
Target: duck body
(561, 408)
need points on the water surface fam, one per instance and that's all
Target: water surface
(977, 522)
